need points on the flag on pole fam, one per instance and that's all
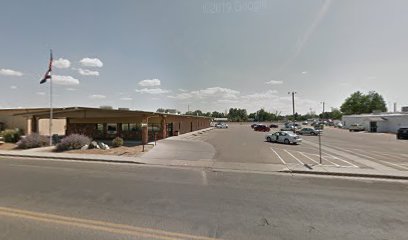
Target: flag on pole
(48, 73)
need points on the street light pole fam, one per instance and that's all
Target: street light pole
(320, 137)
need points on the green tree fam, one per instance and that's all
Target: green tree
(216, 114)
(237, 115)
(376, 102)
(359, 103)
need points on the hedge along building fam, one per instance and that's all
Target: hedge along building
(100, 123)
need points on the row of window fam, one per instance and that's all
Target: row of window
(112, 128)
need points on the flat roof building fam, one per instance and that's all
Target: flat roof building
(378, 122)
(103, 123)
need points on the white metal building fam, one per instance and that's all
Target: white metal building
(378, 122)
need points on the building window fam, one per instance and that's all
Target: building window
(130, 127)
(134, 127)
(125, 127)
(99, 127)
(112, 128)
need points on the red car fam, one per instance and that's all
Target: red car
(262, 128)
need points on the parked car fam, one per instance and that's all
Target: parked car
(339, 125)
(283, 137)
(356, 128)
(221, 125)
(309, 131)
(273, 126)
(305, 123)
(291, 128)
(262, 128)
(402, 133)
(254, 125)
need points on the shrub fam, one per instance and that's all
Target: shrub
(117, 142)
(11, 135)
(73, 141)
(33, 140)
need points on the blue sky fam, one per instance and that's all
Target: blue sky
(211, 55)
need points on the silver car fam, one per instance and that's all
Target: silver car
(284, 137)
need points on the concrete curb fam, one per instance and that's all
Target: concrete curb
(72, 158)
(342, 174)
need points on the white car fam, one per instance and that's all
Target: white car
(221, 125)
(284, 137)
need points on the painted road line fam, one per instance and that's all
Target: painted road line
(337, 158)
(297, 159)
(325, 158)
(337, 165)
(309, 158)
(280, 158)
(397, 165)
(97, 225)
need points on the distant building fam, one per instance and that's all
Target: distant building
(220, 120)
(378, 122)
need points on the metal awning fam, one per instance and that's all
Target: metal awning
(376, 119)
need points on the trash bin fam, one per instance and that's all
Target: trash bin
(176, 133)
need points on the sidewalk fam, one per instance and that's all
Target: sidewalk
(69, 156)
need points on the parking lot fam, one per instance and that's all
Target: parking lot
(340, 148)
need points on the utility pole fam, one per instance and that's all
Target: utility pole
(293, 105)
(323, 107)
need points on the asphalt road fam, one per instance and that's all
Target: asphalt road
(44, 199)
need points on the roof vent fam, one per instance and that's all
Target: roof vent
(106, 107)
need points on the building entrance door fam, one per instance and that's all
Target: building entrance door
(169, 128)
(373, 126)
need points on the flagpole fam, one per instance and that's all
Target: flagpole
(51, 110)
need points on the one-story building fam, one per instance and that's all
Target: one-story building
(102, 123)
(378, 122)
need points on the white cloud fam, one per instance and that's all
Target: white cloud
(64, 80)
(227, 101)
(61, 63)
(216, 92)
(149, 82)
(40, 93)
(126, 99)
(97, 96)
(264, 95)
(91, 62)
(182, 96)
(152, 90)
(86, 72)
(212, 92)
(13, 87)
(371, 77)
(9, 72)
(71, 89)
(274, 82)
(304, 72)
(182, 90)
